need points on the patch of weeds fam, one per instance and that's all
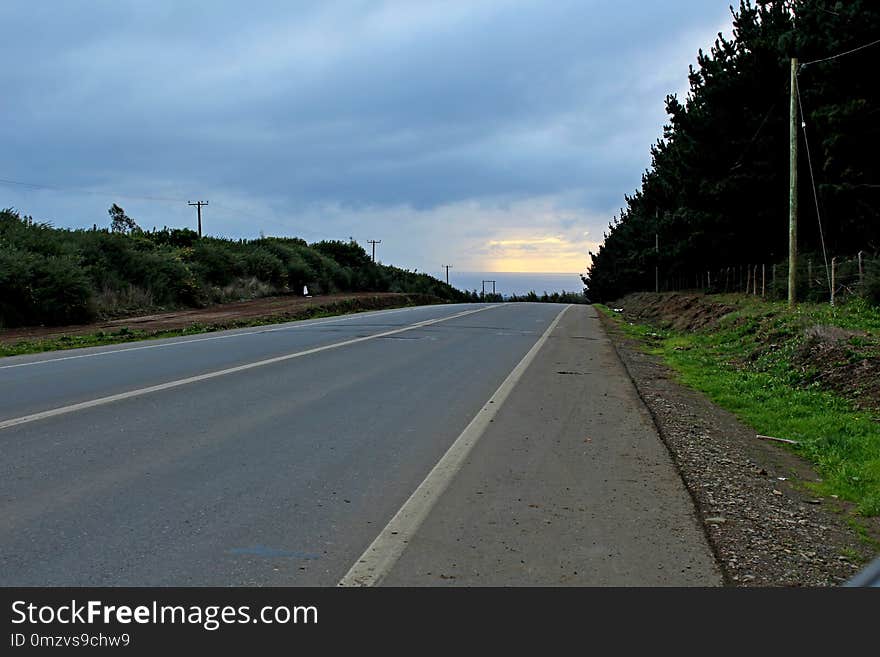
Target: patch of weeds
(734, 366)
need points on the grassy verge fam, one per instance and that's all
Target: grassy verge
(124, 334)
(746, 364)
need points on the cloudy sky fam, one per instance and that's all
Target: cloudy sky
(493, 135)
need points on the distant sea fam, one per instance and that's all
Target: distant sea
(508, 283)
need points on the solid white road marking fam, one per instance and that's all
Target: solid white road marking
(285, 327)
(5, 424)
(379, 558)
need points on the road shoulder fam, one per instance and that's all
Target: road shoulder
(569, 485)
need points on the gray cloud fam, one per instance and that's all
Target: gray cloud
(336, 117)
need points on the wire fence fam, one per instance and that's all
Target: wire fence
(844, 276)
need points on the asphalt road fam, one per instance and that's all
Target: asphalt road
(278, 455)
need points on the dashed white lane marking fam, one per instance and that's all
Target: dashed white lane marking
(62, 410)
(226, 336)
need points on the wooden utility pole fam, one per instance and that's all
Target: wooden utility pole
(374, 243)
(447, 267)
(792, 187)
(198, 205)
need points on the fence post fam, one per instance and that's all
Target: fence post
(861, 271)
(763, 280)
(773, 280)
(755, 281)
(833, 278)
(748, 278)
(708, 280)
(810, 273)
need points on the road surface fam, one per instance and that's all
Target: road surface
(462, 444)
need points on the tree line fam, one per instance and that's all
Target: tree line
(717, 191)
(58, 276)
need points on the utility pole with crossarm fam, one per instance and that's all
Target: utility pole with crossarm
(198, 205)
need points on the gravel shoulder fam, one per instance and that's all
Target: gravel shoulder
(764, 526)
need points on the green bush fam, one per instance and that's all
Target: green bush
(266, 266)
(168, 278)
(16, 295)
(215, 263)
(299, 273)
(61, 292)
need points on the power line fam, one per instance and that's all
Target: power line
(848, 52)
(223, 211)
(813, 180)
(80, 190)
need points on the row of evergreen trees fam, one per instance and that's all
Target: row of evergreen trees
(58, 276)
(716, 192)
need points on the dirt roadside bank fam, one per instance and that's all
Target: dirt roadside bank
(229, 315)
(765, 529)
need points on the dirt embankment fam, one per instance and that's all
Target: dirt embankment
(229, 315)
(847, 362)
(679, 312)
(843, 361)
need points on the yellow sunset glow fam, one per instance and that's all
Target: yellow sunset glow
(546, 254)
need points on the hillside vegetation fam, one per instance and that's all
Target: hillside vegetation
(810, 374)
(56, 276)
(716, 192)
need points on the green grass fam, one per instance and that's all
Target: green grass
(734, 367)
(124, 334)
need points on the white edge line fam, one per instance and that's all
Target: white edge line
(379, 558)
(287, 326)
(62, 410)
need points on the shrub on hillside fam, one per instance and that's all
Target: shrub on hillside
(61, 292)
(215, 263)
(299, 273)
(16, 295)
(39, 290)
(346, 254)
(265, 266)
(52, 275)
